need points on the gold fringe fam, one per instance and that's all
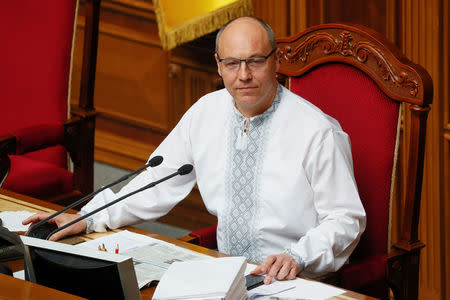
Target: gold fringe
(201, 25)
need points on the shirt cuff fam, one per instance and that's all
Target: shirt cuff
(89, 222)
(297, 258)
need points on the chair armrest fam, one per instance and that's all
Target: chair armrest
(7, 145)
(206, 237)
(403, 272)
(36, 137)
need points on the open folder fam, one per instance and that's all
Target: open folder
(221, 278)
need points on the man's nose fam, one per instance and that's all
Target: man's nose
(244, 72)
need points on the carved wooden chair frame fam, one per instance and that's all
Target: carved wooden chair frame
(402, 81)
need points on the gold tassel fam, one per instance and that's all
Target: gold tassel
(201, 25)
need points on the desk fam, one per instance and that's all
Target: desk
(10, 201)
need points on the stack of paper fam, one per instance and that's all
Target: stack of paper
(221, 278)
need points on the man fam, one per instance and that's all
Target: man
(274, 169)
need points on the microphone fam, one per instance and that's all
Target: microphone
(183, 170)
(41, 228)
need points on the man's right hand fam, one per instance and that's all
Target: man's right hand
(60, 220)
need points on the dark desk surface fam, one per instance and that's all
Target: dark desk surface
(10, 201)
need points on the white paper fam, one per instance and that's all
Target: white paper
(274, 288)
(125, 239)
(249, 268)
(303, 289)
(202, 279)
(19, 274)
(13, 220)
(152, 261)
(151, 257)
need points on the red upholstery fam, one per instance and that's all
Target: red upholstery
(38, 136)
(206, 237)
(368, 275)
(34, 85)
(36, 178)
(54, 155)
(35, 68)
(372, 127)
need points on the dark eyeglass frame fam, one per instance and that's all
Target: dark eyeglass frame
(246, 60)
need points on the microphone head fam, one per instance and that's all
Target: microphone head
(155, 161)
(185, 169)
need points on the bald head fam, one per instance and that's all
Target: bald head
(253, 87)
(247, 21)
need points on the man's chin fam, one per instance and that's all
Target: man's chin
(247, 100)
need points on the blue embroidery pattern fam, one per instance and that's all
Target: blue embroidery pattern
(243, 193)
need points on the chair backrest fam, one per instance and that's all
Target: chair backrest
(359, 78)
(35, 60)
(36, 65)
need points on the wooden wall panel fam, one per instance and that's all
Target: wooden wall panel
(286, 17)
(421, 36)
(138, 92)
(298, 16)
(276, 13)
(444, 85)
(131, 92)
(371, 13)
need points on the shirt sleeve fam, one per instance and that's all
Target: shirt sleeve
(155, 202)
(341, 216)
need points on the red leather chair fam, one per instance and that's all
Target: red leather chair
(357, 76)
(37, 127)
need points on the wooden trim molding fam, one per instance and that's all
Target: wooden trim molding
(134, 121)
(397, 81)
(126, 153)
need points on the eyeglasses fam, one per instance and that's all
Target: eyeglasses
(254, 63)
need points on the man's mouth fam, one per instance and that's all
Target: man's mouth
(246, 88)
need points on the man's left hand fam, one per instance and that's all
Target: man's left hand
(279, 266)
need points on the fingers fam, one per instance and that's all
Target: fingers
(60, 221)
(60, 234)
(265, 266)
(274, 269)
(293, 273)
(35, 218)
(281, 267)
(76, 228)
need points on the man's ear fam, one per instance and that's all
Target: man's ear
(218, 64)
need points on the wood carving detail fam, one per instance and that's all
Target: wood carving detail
(344, 45)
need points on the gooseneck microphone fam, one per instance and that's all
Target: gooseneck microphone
(183, 170)
(40, 229)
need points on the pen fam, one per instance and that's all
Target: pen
(281, 298)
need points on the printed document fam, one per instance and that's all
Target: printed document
(151, 257)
